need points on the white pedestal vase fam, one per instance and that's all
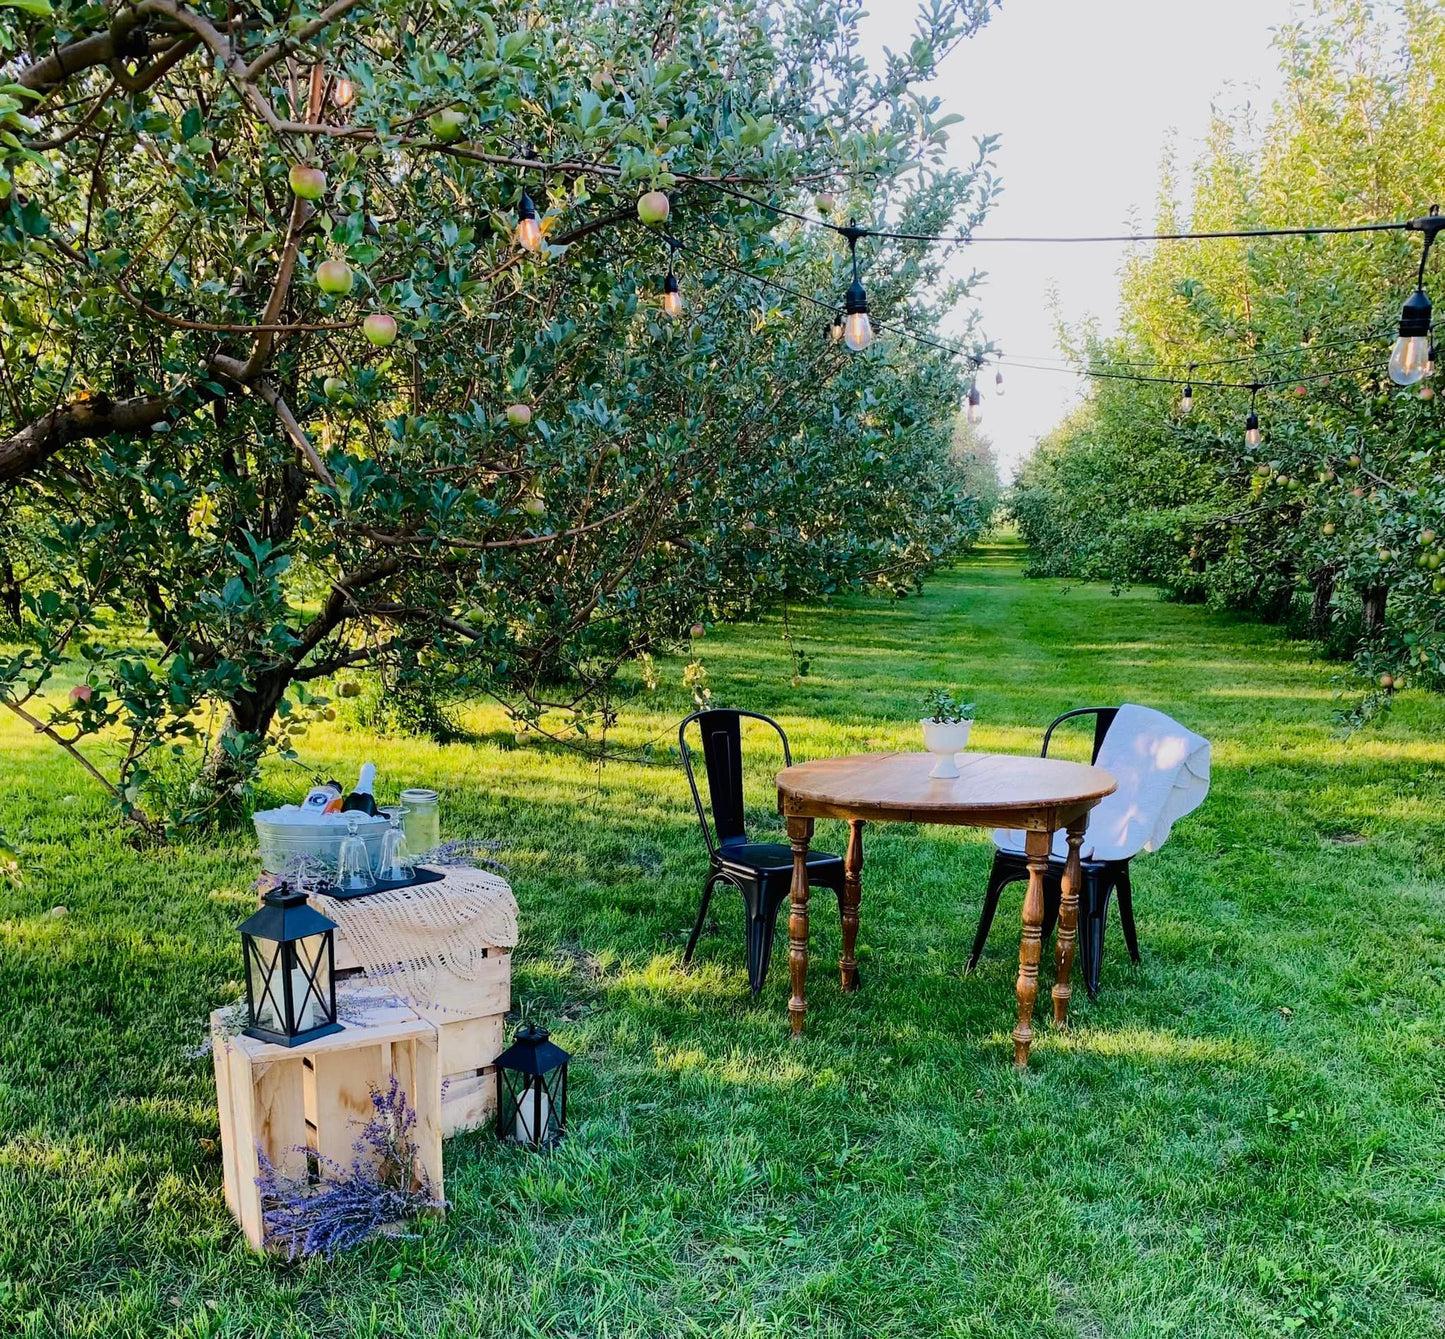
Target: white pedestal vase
(944, 739)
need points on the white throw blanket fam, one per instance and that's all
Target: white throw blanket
(1163, 773)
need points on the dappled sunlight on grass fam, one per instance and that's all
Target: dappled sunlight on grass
(1153, 1045)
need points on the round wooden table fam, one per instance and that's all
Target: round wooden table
(1039, 795)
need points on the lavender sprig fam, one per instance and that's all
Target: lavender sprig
(384, 1185)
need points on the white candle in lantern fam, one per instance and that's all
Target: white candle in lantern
(522, 1130)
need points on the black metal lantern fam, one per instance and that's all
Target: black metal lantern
(290, 953)
(532, 1090)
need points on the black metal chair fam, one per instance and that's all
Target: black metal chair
(761, 871)
(1100, 878)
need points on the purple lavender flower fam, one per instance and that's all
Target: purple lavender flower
(342, 1207)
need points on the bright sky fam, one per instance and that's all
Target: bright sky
(1084, 95)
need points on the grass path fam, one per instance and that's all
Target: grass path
(1246, 1136)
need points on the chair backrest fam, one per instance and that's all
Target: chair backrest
(722, 751)
(1162, 769)
(1104, 718)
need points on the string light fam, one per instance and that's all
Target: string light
(857, 328)
(671, 294)
(975, 405)
(1186, 400)
(835, 331)
(529, 230)
(998, 383)
(1251, 422)
(1411, 354)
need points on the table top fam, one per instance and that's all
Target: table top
(992, 788)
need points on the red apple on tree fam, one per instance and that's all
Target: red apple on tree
(334, 276)
(824, 202)
(380, 329)
(519, 415)
(81, 694)
(653, 208)
(307, 183)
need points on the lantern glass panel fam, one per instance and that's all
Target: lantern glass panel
(311, 983)
(535, 1107)
(263, 984)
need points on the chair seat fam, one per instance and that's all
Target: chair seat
(772, 857)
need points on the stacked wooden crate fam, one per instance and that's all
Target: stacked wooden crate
(469, 1020)
(297, 1106)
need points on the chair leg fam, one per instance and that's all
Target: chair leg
(999, 879)
(762, 924)
(707, 891)
(1126, 913)
(1096, 907)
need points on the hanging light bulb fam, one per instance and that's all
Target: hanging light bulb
(671, 297)
(529, 231)
(835, 331)
(1186, 400)
(1411, 354)
(857, 328)
(998, 383)
(1430, 360)
(1251, 421)
(975, 405)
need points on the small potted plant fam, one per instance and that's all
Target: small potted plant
(945, 731)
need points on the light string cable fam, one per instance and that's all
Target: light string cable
(980, 359)
(1423, 224)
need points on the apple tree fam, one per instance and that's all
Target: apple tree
(285, 391)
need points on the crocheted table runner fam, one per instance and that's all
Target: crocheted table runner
(430, 944)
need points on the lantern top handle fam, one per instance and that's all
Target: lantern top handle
(284, 895)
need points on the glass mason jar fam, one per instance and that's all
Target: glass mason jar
(422, 821)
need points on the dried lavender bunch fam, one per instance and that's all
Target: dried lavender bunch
(467, 853)
(384, 1185)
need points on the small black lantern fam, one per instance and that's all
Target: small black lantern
(290, 954)
(532, 1090)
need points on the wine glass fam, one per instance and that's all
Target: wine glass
(353, 865)
(396, 858)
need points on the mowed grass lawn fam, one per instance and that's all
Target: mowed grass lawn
(1246, 1136)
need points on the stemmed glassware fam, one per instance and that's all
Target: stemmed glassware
(353, 865)
(396, 864)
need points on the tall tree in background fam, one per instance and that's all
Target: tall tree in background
(1343, 501)
(279, 383)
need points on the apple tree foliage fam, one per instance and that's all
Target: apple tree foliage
(220, 490)
(1337, 519)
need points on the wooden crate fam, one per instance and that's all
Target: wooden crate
(470, 1024)
(469, 1027)
(293, 1103)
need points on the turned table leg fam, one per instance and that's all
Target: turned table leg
(800, 832)
(1068, 923)
(848, 908)
(1036, 847)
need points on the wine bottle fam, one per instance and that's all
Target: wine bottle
(362, 799)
